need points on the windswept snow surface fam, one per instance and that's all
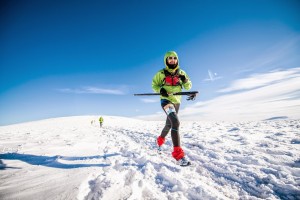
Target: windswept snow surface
(71, 158)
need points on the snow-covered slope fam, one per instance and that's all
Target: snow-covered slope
(71, 158)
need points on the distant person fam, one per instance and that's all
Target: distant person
(101, 121)
(166, 81)
(92, 122)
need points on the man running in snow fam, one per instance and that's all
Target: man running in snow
(101, 121)
(167, 81)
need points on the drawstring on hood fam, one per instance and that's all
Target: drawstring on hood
(171, 68)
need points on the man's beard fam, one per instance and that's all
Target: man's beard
(172, 66)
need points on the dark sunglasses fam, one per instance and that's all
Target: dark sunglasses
(170, 58)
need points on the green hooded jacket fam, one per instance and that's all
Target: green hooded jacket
(159, 78)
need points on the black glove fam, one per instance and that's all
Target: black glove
(163, 92)
(182, 78)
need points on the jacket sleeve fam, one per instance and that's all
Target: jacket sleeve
(157, 82)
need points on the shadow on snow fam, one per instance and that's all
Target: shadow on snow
(52, 161)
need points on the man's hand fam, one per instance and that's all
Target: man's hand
(163, 92)
(182, 78)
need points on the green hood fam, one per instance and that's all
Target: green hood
(171, 53)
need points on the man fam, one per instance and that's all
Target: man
(167, 81)
(101, 121)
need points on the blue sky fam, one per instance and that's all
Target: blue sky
(64, 58)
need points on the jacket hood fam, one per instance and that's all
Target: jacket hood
(171, 53)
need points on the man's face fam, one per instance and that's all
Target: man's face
(172, 60)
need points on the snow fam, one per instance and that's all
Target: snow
(72, 158)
